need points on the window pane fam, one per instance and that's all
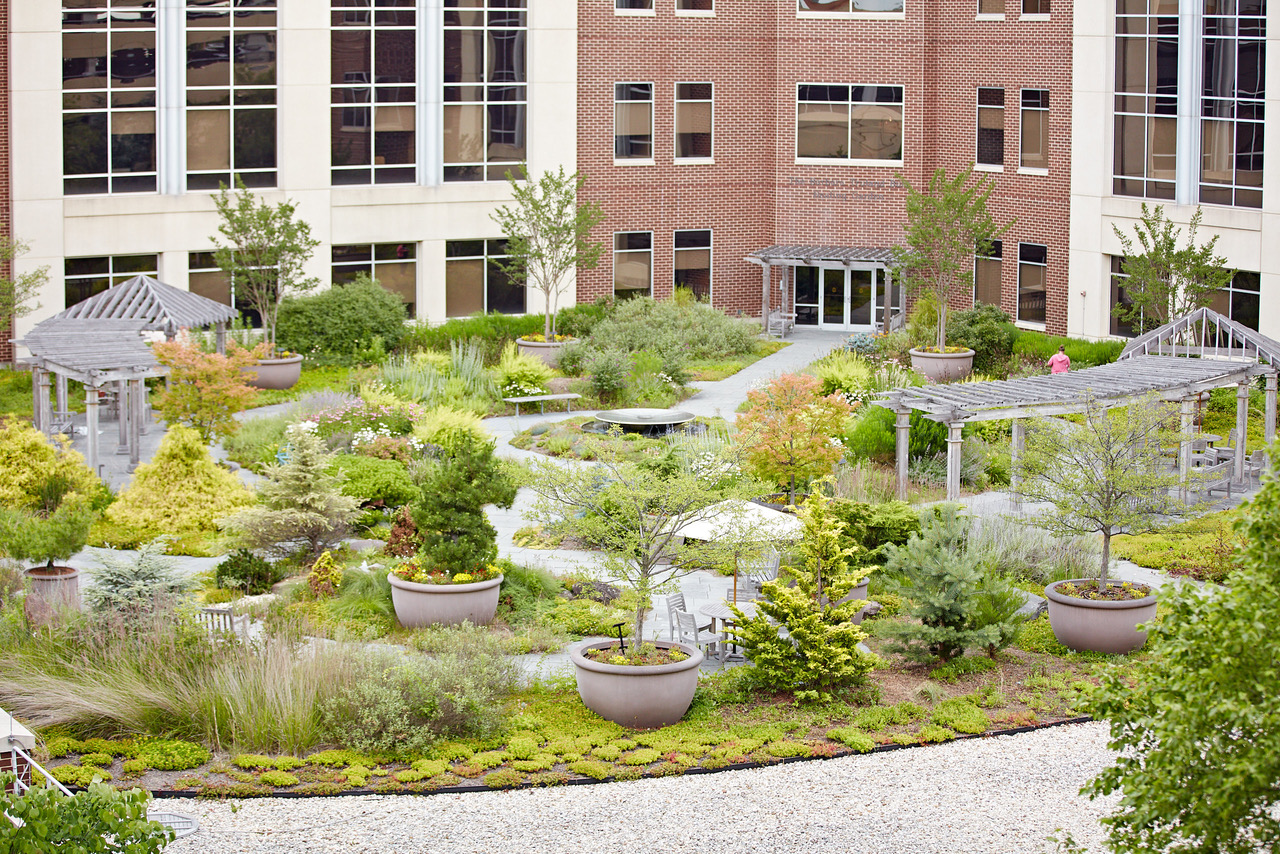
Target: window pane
(822, 130)
(986, 281)
(208, 139)
(1035, 139)
(463, 287)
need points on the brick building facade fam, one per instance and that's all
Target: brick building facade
(6, 218)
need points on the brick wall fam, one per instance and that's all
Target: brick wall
(755, 194)
(6, 219)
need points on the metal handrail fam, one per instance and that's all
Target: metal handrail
(16, 750)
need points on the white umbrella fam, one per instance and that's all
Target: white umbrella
(725, 518)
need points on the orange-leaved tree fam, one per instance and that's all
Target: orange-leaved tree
(787, 433)
(206, 390)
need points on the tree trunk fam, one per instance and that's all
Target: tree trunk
(942, 325)
(1106, 559)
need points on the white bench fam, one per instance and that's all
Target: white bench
(219, 620)
(541, 399)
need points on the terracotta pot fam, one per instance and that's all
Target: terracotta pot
(444, 604)
(276, 374)
(942, 367)
(642, 697)
(547, 351)
(1098, 626)
(49, 590)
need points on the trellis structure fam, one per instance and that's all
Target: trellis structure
(777, 318)
(1234, 356)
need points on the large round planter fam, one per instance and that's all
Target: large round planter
(1098, 626)
(642, 697)
(859, 592)
(547, 351)
(942, 367)
(444, 604)
(50, 590)
(276, 374)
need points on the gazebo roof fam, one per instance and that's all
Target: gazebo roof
(1168, 377)
(799, 254)
(158, 305)
(93, 352)
(1217, 337)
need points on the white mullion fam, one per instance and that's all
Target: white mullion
(1190, 68)
(429, 115)
(171, 117)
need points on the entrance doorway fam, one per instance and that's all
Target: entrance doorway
(848, 298)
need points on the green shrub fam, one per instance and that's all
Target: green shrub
(165, 754)
(29, 463)
(986, 330)
(579, 320)
(278, 779)
(332, 325)
(374, 482)
(668, 327)
(934, 734)
(45, 820)
(135, 584)
(852, 738)
(253, 761)
(874, 436)
(573, 358)
(961, 716)
(98, 760)
(446, 426)
(243, 570)
(610, 368)
(518, 374)
(257, 441)
(488, 332)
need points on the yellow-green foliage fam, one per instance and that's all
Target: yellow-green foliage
(27, 461)
(445, 424)
(181, 492)
(1200, 547)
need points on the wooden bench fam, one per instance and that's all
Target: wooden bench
(219, 620)
(1215, 477)
(541, 399)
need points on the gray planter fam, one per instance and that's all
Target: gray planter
(444, 604)
(1098, 626)
(547, 351)
(276, 374)
(644, 697)
(50, 591)
(942, 367)
(859, 592)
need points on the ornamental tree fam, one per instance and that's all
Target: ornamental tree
(205, 390)
(548, 235)
(947, 224)
(1105, 475)
(1165, 280)
(1195, 723)
(18, 293)
(786, 433)
(265, 251)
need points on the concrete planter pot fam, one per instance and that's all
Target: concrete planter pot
(643, 697)
(49, 590)
(1098, 626)
(942, 367)
(859, 592)
(547, 351)
(276, 374)
(444, 604)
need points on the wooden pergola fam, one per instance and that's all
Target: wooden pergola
(1227, 354)
(787, 257)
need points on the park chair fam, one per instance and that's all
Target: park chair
(1254, 464)
(675, 603)
(767, 569)
(748, 590)
(687, 631)
(220, 620)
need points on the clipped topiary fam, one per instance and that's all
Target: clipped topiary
(182, 492)
(334, 323)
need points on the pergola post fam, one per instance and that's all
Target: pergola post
(36, 408)
(46, 407)
(220, 335)
(1016, 448)
(902, 418)
(122, 415)
(1270, 428)
(91, 422)
(1188, 412)
(60, 391)
(765, 270)
(135, 423)
(954, 442)
(1242, 429)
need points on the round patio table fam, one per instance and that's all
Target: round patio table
(719, 612)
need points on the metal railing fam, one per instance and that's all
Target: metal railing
(15, 752)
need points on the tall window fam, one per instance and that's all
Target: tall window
(1034, 141)
(485, 89)
(207, 279)
(694, 121)
(633, 264)
(1233, 102)
(88, 276)
(375, 93)
(1239, 300)
(848, 7)
(986, 275)
(473, 282)
(853, 123)
(231, 93)
(990, 127)
(391, 265)
(109, 96)
(1033, 261)
(693, 262)
(633, 121)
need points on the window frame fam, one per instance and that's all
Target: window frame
(630, 292)
(634, 12)
(1019, 321)
(370, 267)
(1023, 109)
(849, 14)
(113, 276)
(675, 122)
(488, 264)
(1037, 15)
(978, 164)
(851, 161)
(709, 249)
(695, 13)
(997, 247)
(991, 16)
(650, 160)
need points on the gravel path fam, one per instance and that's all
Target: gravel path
(978, 796)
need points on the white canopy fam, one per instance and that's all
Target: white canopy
(725, 519)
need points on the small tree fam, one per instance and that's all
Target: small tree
(17, 293)
(1105, 475)
(1165, 280)
(947, 224)
(301, 507)
(265, 251)
(786, 433)
(50, 535)
(132, 585)
(820, 650)
(1195, 724)
(632, 515)
(548, 235)
(205, 390)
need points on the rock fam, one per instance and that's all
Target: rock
(1033, 606)
(871, 608)
(597, 590)
(540, 428)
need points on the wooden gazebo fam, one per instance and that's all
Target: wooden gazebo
(1178, 361)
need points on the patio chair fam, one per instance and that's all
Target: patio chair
(766, 570)
(748, 590)
(675, 603)
(1254, 464)
(1216, 477)
(687, 631)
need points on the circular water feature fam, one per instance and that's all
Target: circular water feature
(648, 421)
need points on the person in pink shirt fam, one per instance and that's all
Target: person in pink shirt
(1060, 362)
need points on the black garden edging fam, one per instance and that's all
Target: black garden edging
(588, 781)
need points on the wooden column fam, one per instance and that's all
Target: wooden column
(46, 406)
(1184, 445)
(1016, 448)
(903, 420)
(122, 415)
(1242, 429)
(91, 422)
(220, 334)
(60, 390)
(764, 310)
(135, 423)
(144, 422)
(954, 442)
(36, 408)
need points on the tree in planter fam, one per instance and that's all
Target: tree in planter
(301, 506)
(820, 650)
(17, 294)
(548, 235)
(205, 390)
(1106, 475)
(786, 433)
(1165, 280)
(632, 515)
(1195, 724)
(947, 225)
(265, 252)
(49, 534)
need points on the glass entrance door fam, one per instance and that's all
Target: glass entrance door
(861, 296)
(849, 298)
(835, 298)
